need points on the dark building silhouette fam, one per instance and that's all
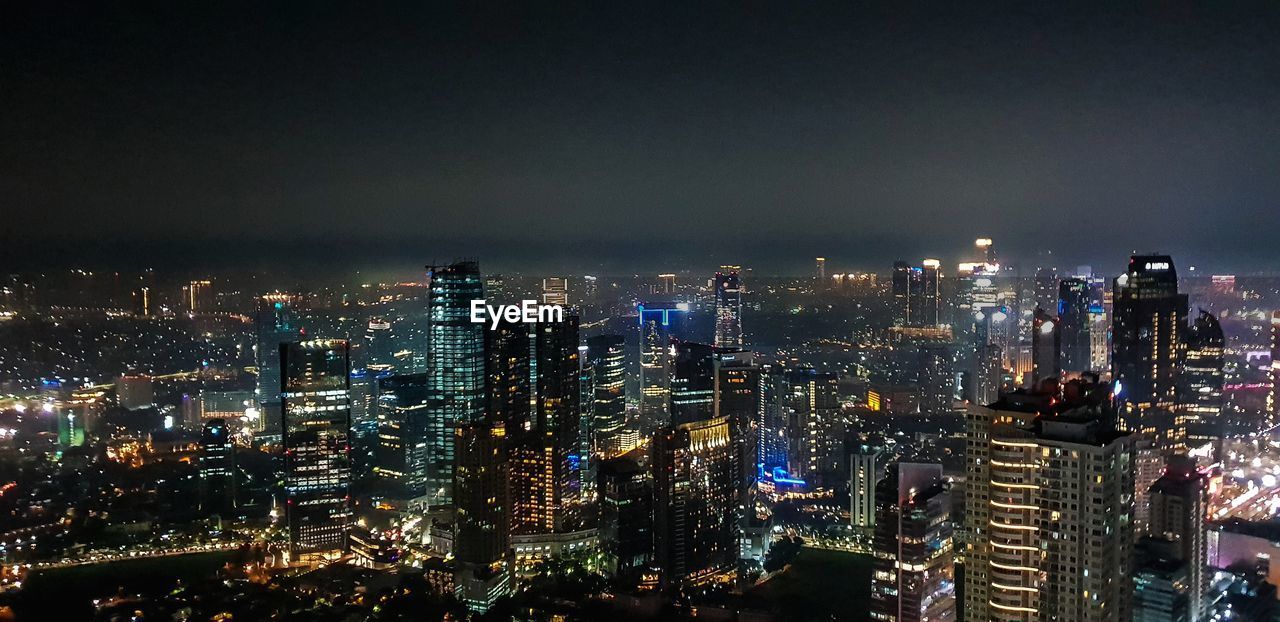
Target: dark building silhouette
(1074, 297)
(626, 516)
(217, 468)
(401, 454)
(1148, 315)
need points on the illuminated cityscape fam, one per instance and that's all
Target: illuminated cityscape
(640, 312)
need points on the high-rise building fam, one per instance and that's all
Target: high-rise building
(217, 468)
(198, 296)
(1273, 399)
(728, 308)
(865, 471)
(1147, 328)
(692, 382)
(401, 453)
(801, 433)
(1046, 344)
(696, 502)
(482, 533)
(626, 515)
(913, 576)
(1176, 545)
(275, 322)
(935, 378)
(509, 370)
(1048, 507)
(1074, 298)
(544, 478)
(1046, 288)
(455, 368)
(317, 423)
(738, 397)
(820, 271)
(1203, 373)
(555, 291)
(659, 324)
(607, 356)
(929, 310)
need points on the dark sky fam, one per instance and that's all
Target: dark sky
(639, 133)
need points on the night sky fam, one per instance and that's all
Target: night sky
(638, 133)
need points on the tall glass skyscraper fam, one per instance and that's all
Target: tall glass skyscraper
(217, 468)
(317, 423)
(402, 440)
(1147, 329)
(455, 368)
(1074, 296)
(659, 324)
(1202, 373)
(914, 571)
(728, 308)
(275, 322)
(607, 356)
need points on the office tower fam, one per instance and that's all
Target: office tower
(544, 478)
(1202, 373)
(217, 468)
(905, 283)
(555, 291)
(482, 538)
(935, 378)
(1273, 399)
(1074, 322)
(1175, 546)
(607, 356)
(801, 432)
(455, 367)
(1048, 507)
(696, 512)
(585, 459)
(666, 284)
(692, 382)
(508, 373)
(1046, 343)
(659, 324)
(820, 266)
(626, 516)
(1047, 288)
(275, 322)
(379, 345)
(929, 310)
(317, 463)
(864, 473)
(135, 391)
(738, 397)
(1147, 326)
(401, 453)
(913, 578)
(1148, 466)
(728, 308)
(143, 306)
(590, 287)
(198, 296)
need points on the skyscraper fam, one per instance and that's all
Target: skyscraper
(1273, 399)
(1074, 297)
(626, 515)
(738, 397)
(696, 497)
(482, 539)
(544, 479)
(801, 433)
(913, 578)
(607, 356)
(692, 382)
(275, 323)
(1049, 507)
(217, 468)
(864, 473)
(1175, 546)
(929, 310)
(1147, 327)
(728, 308)
(555, 291)
(1046, 344)
(820, 271)
(455, 367)
(401, 454)
(659, 324)
(1202, 377)
(317, 423)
